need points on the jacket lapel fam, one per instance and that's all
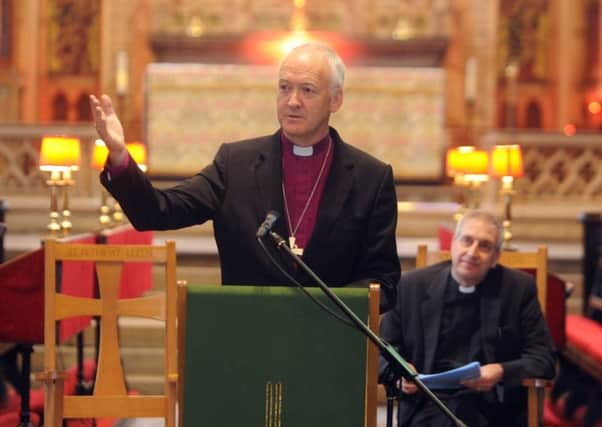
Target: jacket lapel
(431, 310)
(268, 181)
(490, 312)
(336, 191)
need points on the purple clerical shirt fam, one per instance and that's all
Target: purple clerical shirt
(299, 175)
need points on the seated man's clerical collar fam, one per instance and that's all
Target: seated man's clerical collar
(467, 289)
(308, 151)
(463, 289)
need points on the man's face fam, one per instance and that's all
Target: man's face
(305, 101)
(474, 251)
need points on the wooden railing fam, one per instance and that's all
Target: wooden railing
(557, 167)
(561, 181)
(19, 157)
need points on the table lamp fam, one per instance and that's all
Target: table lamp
(468, 166)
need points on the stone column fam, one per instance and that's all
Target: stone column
(27, 28)
(569, 60)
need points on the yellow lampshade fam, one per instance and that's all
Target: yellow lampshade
(453, 160)
(138, 152)
(59, 152)
(99, 155)
(507, 160)
(466, 160)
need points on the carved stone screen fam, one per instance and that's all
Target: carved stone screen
(396, 114)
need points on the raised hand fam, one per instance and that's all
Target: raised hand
(109, 127)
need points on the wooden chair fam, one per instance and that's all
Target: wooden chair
(534, 261)
(110, 397)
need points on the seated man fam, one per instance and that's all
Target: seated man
(469, 309)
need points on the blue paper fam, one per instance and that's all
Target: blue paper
(451, 379)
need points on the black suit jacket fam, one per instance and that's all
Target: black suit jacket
(353, 239)
(513, 331)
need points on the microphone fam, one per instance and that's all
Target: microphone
(267, 223)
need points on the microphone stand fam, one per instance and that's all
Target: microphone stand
(392, 392)
(399, 364)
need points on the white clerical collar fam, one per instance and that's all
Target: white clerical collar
(467, 289)
(303, 151)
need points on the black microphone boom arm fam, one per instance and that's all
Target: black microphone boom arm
(398, 363)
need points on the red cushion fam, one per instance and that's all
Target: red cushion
(71, 380)
(136, 277)
(36, 400)
(77, 279)
(445, 235)
(555, 307)
(585, 334)
(106, 422)
(550, 418)
(13, 400)
(554, 410)
(11, 419)
(22, 280)
(87, 422)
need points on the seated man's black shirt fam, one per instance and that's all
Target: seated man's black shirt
(460, 331)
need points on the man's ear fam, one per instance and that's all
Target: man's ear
(336, 100)
(495, 259)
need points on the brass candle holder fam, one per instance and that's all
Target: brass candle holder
(99, 158)
(60, 156)
(53, 183)
(507, 165)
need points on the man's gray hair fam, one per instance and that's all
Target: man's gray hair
(485, 217)
(336, 64)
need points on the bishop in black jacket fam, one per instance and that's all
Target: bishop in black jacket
(343, 220)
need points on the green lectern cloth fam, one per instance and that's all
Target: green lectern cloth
(270, 357)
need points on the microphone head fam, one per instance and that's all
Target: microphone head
(267, 224)
(272, 216)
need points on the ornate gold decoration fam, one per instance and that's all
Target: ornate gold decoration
(273, 404)
(73, 36)
(523, 37)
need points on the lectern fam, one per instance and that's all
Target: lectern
(269, 356)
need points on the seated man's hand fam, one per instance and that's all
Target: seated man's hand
(491, 374)
(409, 387)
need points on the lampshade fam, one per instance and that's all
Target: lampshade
(59, 152)
(507, 160)
(466, 160)
(99, 155)
(138, 152)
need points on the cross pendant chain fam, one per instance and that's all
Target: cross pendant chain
(293, 245)
(291, 240)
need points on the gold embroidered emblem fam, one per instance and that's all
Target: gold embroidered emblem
(273, 404)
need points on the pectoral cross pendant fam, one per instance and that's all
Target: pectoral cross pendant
(296, 250)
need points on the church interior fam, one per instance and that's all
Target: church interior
(494, 105)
